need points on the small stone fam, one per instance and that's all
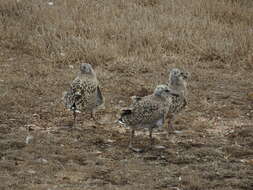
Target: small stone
(110, 141)
(42, 160)
(159, 147)
(28, 139)
(31, 171)
(178, 132)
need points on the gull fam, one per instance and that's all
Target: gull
(146, 112)
(84, 94)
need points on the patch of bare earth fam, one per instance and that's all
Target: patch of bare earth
(213, 148)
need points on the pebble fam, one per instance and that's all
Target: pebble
(28, 139)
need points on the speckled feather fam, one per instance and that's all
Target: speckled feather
(84, 93)
(144, 112)
(176, 103)
(177, 84)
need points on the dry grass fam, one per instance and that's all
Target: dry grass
(131, 44)
(104, 31)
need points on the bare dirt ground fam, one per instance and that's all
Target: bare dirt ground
(212, 151)
(131, 45)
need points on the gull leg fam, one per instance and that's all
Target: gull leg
(92, 114)
(152, 141)
(170, 123)
(131, 138)
(170, 128)
(130, 146)
(150, 137)
(74, 117)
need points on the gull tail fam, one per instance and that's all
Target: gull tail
(124, 113)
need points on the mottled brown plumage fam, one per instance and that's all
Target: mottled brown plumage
(84, 94)
(177, 100)
(146, 112)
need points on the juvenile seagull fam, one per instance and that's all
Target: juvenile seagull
(177, 100)
(146, 112)
(84, 93)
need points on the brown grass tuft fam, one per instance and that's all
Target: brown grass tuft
(100, 32)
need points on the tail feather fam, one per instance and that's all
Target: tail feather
(68, 101)
(124, 113)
